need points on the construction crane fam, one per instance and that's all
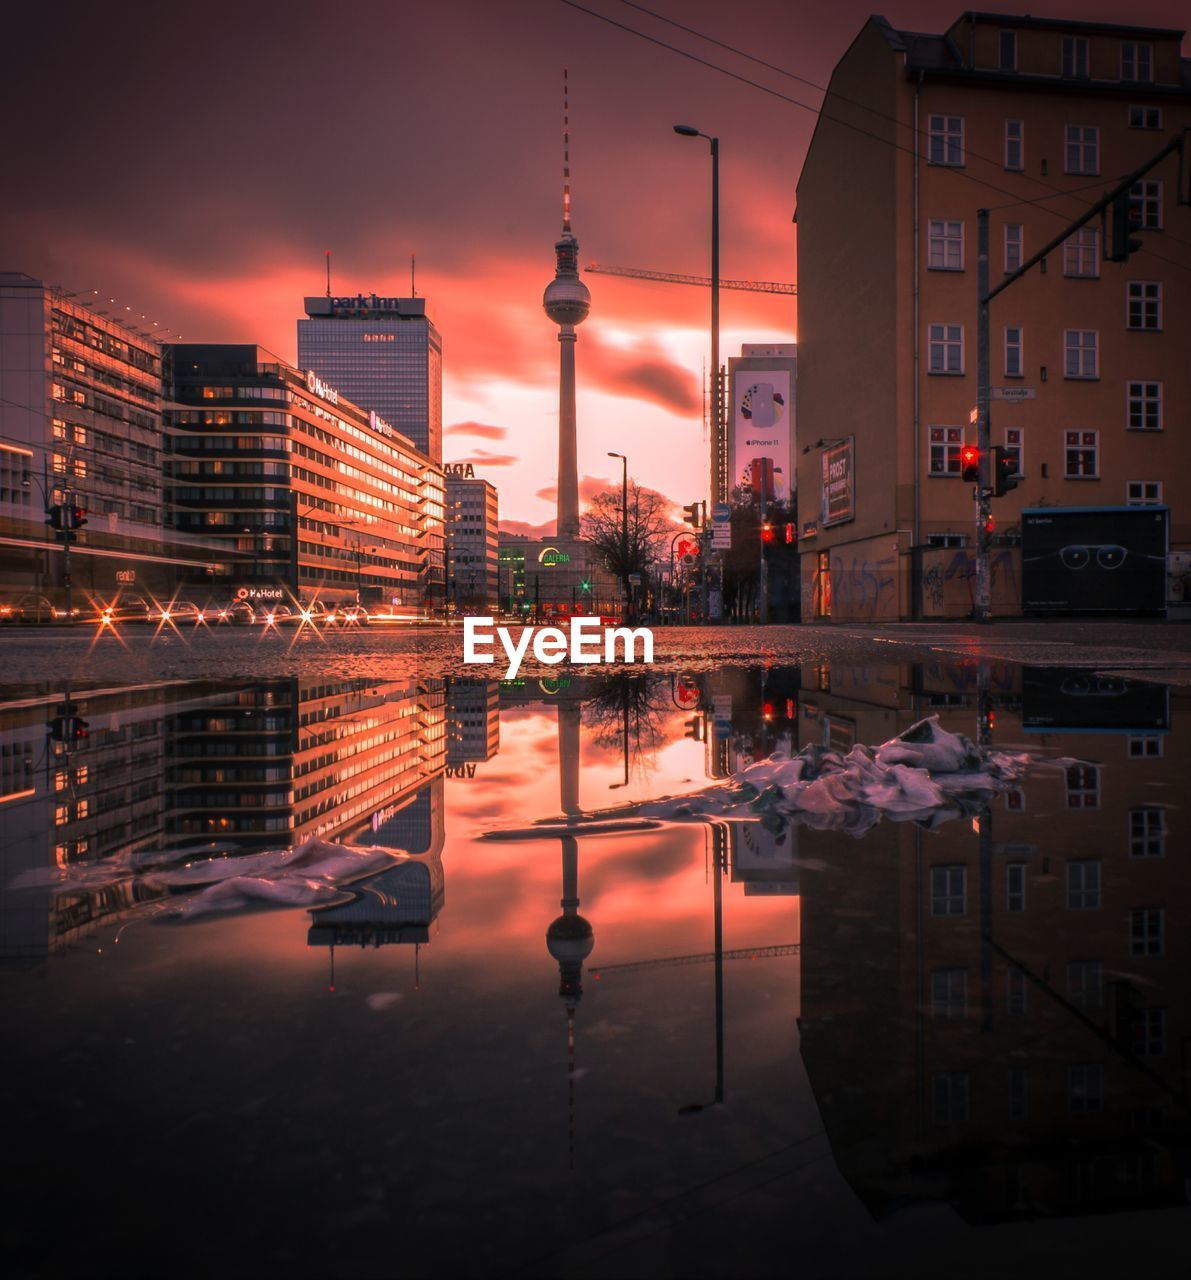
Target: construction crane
(668, 962)
(670, 277)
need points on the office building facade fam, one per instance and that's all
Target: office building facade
(473, 539)
(80, 420)
(383, 353)
(306, 492)
(1034, 119)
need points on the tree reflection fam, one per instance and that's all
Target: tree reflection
(628, 710)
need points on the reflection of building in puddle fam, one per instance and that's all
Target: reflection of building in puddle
(398, 905)
(280, 762)
(473, 724)
(1027, 982)
(173, 766)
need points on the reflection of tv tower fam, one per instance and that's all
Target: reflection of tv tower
(570, 938)
(567, 302)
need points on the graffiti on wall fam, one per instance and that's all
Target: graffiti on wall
(862, 587)
(949, 581)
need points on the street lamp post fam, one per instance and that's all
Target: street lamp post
(624, 521)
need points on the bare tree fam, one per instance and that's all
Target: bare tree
(633, 546)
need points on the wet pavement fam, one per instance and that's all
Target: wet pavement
(760, 1038)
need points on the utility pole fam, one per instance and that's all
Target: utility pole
(983, 432)
(763, 572)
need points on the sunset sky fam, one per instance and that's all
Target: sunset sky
(194, 163)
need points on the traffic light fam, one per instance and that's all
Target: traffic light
(53, 516)
(767, 533)
(692, 514)
(969, 464)
(694, 728)
(1124, 220)
(69, 729)
(791, 534)
(1004, 471)
(78, 517)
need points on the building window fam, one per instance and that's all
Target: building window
(1014, 367)
(1082, 459)
(946, 348)
(1081, 148)
(1145, 746)
(946, 245)
(1013, 246)
(945, 446)
(1144, 305)
(1144, 406)
(1146, 197)
(1015, 448)
(1079, 353)
(1149, 1033)
(1081, 254)
(1083, 885)
(1147, 833)
(1145, 117)
(1075, 56)
(1083, 786)
(1085, 983)
(61, 815)
(1144, 493)
(948, 993)
(1147, 930)
(946, 540)
(1019, 1093)
(948, 891)
(1137, 61)
(946, 134)
(1015, 991)
(1015, 886)
(949, 1094)
(1007, 51)
(58, 463)
(1085, 1088)
(1015, 145)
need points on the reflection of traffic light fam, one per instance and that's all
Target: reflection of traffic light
(691, 515)
(694, 728)
(1004, 471)
(767, 533)
(969, 464)
(1125, 218)
(790, 534)
(767, 710)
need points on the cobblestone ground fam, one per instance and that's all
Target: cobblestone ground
(1159, 650)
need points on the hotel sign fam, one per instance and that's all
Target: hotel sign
(838, 502)
(550, 556)
(378, 424)
(317, 387)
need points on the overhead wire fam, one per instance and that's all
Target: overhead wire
(847, 124)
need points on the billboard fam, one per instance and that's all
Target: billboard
(1078, 700)
(762, 409)
(1094, 559)
(839, 483)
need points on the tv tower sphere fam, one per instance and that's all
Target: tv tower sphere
(567, 299)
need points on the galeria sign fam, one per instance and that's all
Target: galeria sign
(552, 644)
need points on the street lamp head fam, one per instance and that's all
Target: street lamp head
(615, 455)
(687, 130)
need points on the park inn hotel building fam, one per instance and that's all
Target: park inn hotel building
(257, 451)
(1033, 119)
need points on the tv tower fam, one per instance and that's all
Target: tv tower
(567, 302)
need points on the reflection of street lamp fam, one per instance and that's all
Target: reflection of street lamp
(719, 838)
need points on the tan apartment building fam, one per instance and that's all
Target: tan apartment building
(1033, 119)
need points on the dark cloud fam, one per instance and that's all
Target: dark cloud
(526, 530)
(645, 372)
(484, 430)
(482, 458)
(548, 494)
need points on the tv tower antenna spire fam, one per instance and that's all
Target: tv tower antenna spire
(566, 155)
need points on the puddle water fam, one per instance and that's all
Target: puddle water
(639, 1040)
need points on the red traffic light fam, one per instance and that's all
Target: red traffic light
(767, 533)
(969, 463)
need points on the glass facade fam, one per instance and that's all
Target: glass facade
(383, 353)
